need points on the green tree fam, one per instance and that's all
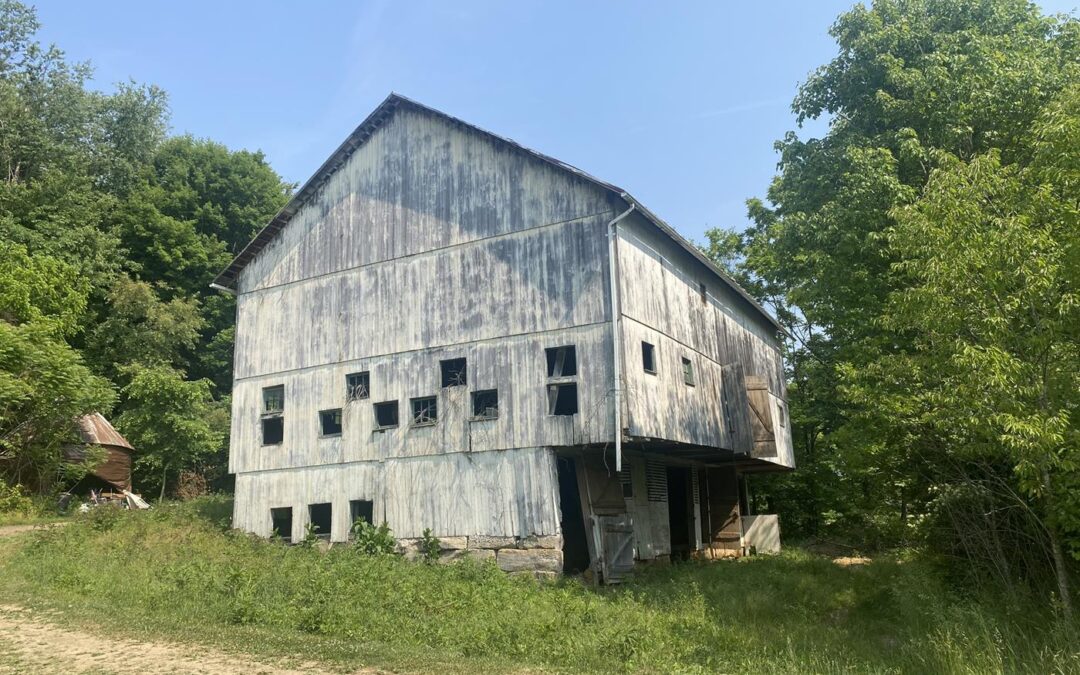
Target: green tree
(172, 422)
(914, 81)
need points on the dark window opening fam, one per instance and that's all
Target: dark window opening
(424, 410)
(485, 404)
(357, 386)
(561, 361)
(273, 430)
(688, 371)
(704, 294)
(281, 523)
(627, 480)
(781, 413)
(562, 399)
(330, 422)
(360, 509)
(322, 516)
(454, 373)
(648, 357)
(386, 415)
(274, 399)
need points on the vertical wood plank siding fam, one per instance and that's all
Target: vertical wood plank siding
(430, 242)
(661, 304)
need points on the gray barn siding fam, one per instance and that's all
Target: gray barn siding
(661, 303)
(511, 493)
(430, 242)
(420, 184)
(516, 366)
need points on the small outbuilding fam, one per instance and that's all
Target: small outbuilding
(114, 472)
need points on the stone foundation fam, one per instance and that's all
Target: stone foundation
(535, 555)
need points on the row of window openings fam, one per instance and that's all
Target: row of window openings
(562, 398)
(648, 363)
(321, 517)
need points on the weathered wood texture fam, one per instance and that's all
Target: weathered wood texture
(431, 242)
(435, 241)
(662, 304)
(507, 494)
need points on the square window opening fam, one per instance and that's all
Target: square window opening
(357, 386)
(485, 404)
(322, 517)
(330, 422)
(688, 371)
(561, 361)
(703, 292)
(386, 415)
(562, 399)
(454, 372)
(273, 399)
(781, 413)
(361, 509)
(425, 411)
(281, 523)
(648, 358)
(273, 430)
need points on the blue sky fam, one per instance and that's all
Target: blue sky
(679, 103)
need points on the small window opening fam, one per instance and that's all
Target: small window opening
(627, 483)
(273, 430)
(357, 386)
(485, 404)
(322, 516)
(781, 413)
(386, 415)
(424, 411)
(703, 292)
(274, 399)
(330, 422)
(688, 371)
(561, 361)
(281, 523)
(360, 509)
(454, 373)
(562, 399)
(648, 357)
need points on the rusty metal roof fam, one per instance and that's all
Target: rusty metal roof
(94, 429)
(227, 278)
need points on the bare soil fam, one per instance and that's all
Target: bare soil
(29, 644)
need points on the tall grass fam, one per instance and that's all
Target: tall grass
(176, 567)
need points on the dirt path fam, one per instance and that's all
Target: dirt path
(12, 530)
(30, 645)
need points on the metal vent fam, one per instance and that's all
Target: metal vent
(695, 486)
(656, 481)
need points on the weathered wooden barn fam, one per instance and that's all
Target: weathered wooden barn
(446, 330)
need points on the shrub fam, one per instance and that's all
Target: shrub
(430, 546)
(15, 501)
(371, 540)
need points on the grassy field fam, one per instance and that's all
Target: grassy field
(179, 575)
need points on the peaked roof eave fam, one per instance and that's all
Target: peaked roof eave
(226, 280)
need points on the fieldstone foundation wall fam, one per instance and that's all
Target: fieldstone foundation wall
(536, 555)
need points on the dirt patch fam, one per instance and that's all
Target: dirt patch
(851, 561)
(12, 530)
(30, 645)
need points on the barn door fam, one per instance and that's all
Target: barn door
(616, 547)
(757, 394)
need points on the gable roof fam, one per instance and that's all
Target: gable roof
(94, 429)
(227, 278)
